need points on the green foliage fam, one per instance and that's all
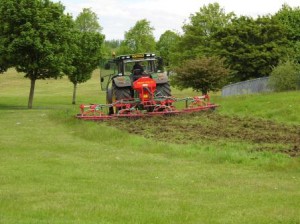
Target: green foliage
(87, 47)
(202, 74)
(139, 39)
(196, 40)
(252, 46)
(114, 44)
(285, 76)
(87, 21)
(109, 47)
(166, 44)
(290, 18)
(35, 36)
(87, 54)
(5, 61)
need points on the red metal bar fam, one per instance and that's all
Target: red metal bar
(130, 108)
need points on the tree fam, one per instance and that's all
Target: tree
(290, 18)
(202, 74)
(196, 40)
(285, 76)
(87, 46)
(139, 38)
(252, 46)
(86, 57)
(5, 61)
(166, 46)
(35, 36)
(87, 21)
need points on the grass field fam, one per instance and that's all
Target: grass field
(56, 169)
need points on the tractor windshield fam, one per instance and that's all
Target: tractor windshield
(147, 66)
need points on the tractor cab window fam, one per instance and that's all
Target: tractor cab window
(151, 66)
(144, 66)
(147, 67)
(138, 66)
(129, 67)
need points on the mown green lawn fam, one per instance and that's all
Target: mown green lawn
(56, 169)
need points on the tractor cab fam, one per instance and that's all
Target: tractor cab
(129, 68)
(145, 63)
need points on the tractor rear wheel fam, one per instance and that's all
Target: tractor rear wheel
(109, 100)
(121, 93)
(117, 93)
(163, 89)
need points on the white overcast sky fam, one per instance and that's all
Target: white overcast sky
(118, 16)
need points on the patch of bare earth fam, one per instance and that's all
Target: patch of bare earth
(210, 126)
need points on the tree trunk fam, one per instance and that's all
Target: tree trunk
(74, 93)
(31, 94)
(204, 91)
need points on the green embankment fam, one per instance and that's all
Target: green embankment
(56, 169)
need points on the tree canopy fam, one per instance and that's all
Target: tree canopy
(166, 44)
(290, 18)
(196, 40)
(202, 74)
(139, 38)
(251, 46)
(87, 21)
(35, 36)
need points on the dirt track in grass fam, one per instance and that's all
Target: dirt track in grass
(211, 126)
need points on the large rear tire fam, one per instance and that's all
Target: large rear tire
(163, 89)
(117, 93)
(121, 93)
(109, 100)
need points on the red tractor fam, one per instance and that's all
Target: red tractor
(139, 87)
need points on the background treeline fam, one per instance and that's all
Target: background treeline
(247, 47)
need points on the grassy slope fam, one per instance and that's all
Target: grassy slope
(55, 169)
(281, 107)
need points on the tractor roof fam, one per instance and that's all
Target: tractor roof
(135, 57)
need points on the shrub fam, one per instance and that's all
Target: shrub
(201, 74)
(286, 76)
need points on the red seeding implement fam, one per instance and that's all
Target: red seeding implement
(140, 89)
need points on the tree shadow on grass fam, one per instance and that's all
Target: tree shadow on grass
(64, 108)
(16, 107)
(12, 107)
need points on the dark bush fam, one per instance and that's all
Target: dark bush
(286, 76)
